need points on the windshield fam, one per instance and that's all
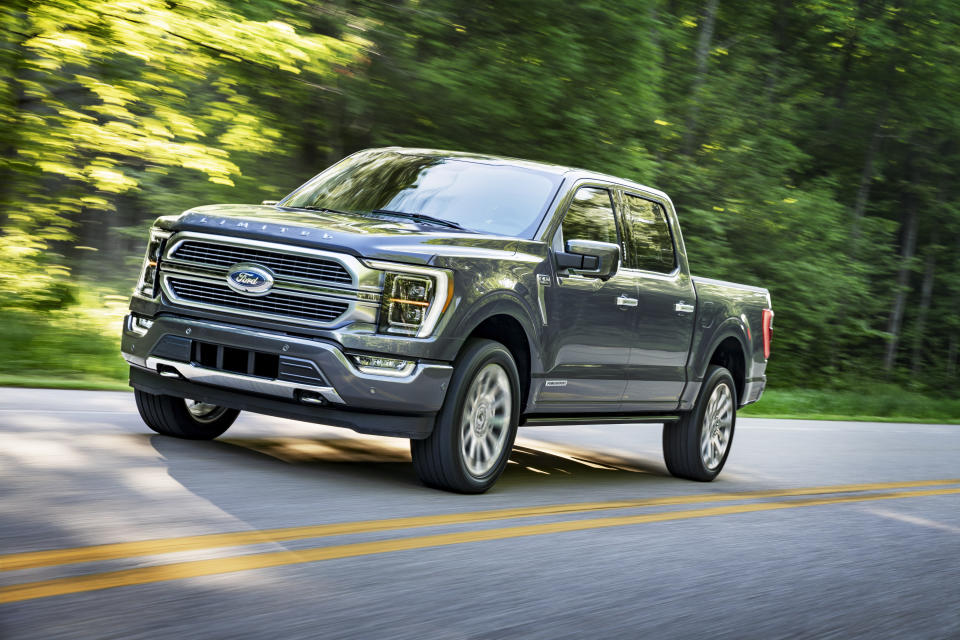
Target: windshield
(475, 194)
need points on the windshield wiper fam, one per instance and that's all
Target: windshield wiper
(420, 217)
(327, 210)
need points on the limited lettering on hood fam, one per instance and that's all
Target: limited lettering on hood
(259, 226)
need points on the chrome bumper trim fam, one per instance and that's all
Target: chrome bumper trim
(422, 391)
(236, 381)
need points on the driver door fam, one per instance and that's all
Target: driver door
(589, 320)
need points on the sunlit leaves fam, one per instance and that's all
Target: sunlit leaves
(101, 94)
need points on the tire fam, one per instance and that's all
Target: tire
(484, 386)
(686, 452)
(172, 416)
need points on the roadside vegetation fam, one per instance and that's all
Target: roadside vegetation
(880, 403)
(74, 347)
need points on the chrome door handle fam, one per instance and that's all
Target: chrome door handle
(683, 307)
(623, 302)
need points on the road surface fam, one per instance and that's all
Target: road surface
(289, 530)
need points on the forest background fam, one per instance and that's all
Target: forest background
(810, 147)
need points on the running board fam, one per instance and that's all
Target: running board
(543, 420)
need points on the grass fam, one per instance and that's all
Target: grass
(46, 382)
(79, 348)
(71, 348)
(882, 403)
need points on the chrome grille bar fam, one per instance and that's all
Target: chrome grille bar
(274, 303)
(289, 265)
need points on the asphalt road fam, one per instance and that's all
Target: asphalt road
(104, 533)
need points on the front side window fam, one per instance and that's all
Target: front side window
(590, 216)
(649, 244)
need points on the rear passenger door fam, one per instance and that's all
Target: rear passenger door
(667, 301)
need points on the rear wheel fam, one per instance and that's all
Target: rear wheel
(696, 447)
(474, 432)
(182, 418)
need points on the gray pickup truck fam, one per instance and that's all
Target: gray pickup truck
(447, 298)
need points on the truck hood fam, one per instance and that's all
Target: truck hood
(359, 235)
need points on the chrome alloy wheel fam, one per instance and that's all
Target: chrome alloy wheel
(717, 426)
(485, 422)
(203, 412)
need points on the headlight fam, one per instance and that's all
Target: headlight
(147, 286)
(413, 298)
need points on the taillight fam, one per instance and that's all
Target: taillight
(767, 331)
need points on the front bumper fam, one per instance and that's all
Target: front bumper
(317, 381)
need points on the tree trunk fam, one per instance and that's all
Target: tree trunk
(10, 136)
(779, 36)
(702, 57)
(925, 295)
(907, 246)
(866, 176)
(840, 90)
(952, 355)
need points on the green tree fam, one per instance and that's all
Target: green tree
(101, 99)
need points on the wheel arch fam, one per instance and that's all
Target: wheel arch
(730, 354)
(728, 347)
(505, 321)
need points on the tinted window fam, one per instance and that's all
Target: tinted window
(649, 245)
(590, 216)
(478, 194)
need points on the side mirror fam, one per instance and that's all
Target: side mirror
(270, 203)
(591, 258)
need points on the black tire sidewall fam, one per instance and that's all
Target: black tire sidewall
(169, 416)
(477, 354)
(715, 376)
(201, 430)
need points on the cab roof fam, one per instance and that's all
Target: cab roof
(572, 173)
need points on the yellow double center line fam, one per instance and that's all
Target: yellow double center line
(196, 568)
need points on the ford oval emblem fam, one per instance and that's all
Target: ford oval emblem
(250, 278)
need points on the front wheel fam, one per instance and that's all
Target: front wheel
(696, 447)
(474, 432)
(181, 418)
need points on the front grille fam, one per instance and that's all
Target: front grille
(277, 304)
(289, 265)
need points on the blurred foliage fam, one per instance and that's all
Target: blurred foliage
(104, 105)
(809, 147)
(78, 341)
(888, 403)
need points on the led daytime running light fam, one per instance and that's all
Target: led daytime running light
(147, 285)
(414, 299)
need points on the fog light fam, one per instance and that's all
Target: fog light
(384, 366)
(139, 325)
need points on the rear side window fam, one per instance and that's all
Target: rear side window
(649, 244)
(590, 216)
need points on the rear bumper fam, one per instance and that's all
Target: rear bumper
(316, 380)
(753, 390)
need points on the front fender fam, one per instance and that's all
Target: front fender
(507, 303)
